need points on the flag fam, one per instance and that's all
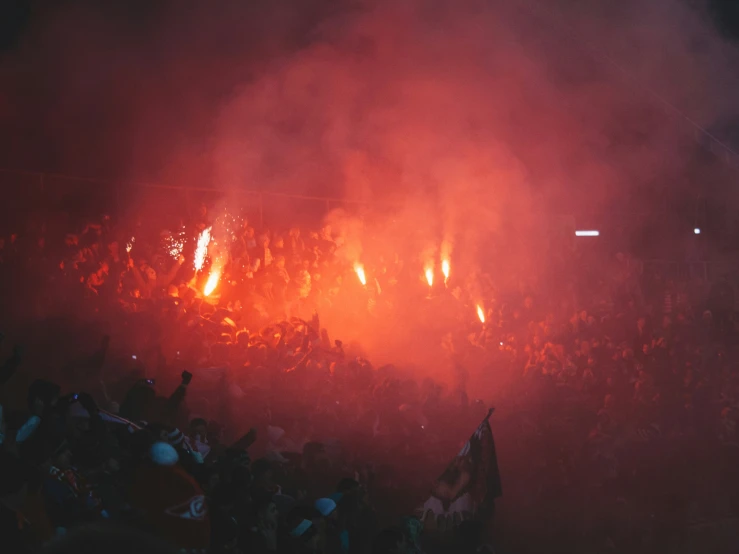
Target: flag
(470, 483)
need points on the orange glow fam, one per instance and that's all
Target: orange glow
(359, 269)
(430, 276)
(445, 270)
(480, 313)
(212, 282)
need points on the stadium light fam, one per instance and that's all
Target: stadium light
(697, 231)
(587, 233)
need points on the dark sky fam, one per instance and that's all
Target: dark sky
(27, 25)
(161, 90)
(89, 86)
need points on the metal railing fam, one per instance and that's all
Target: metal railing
(36, 187)
(678, 270)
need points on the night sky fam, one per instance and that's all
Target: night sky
(158, 91)
(33, 144)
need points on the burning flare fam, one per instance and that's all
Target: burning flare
(201, 250)
(212, 282)
(430, 276)
(480, 313)
(445, 270)
(129, 244)
(359, 269)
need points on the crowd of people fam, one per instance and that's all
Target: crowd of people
(232, 422)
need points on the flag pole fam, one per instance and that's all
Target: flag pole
(490, 412)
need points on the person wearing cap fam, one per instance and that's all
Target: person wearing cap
(355, 515)
(189, 457)
(170, 501)
(326, 507)
(337, 538)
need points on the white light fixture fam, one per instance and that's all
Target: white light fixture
(587, 233)
(697, 231)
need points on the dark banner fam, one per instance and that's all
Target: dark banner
(471, 481)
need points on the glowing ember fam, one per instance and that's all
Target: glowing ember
(212, 282)
(359, 269)
(430, 276)
(129, 244)
(202, 249)
(480, 313)
(445, 270)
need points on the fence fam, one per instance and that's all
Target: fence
(37, 191)
(708, 271)
(676, 270)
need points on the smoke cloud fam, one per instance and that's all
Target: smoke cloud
(417, 130)
(463, 115)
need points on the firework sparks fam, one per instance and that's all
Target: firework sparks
(130, 243)
(175, 249)
(212, 282)
(175, 243)
(201, 251)
(359, 269)
(445, 270)
(480, 313)
(228, 225)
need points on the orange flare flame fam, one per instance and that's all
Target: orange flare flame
(212, 283)
(445, 270)
(480, 314)
(359, 269)
(430, 276)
